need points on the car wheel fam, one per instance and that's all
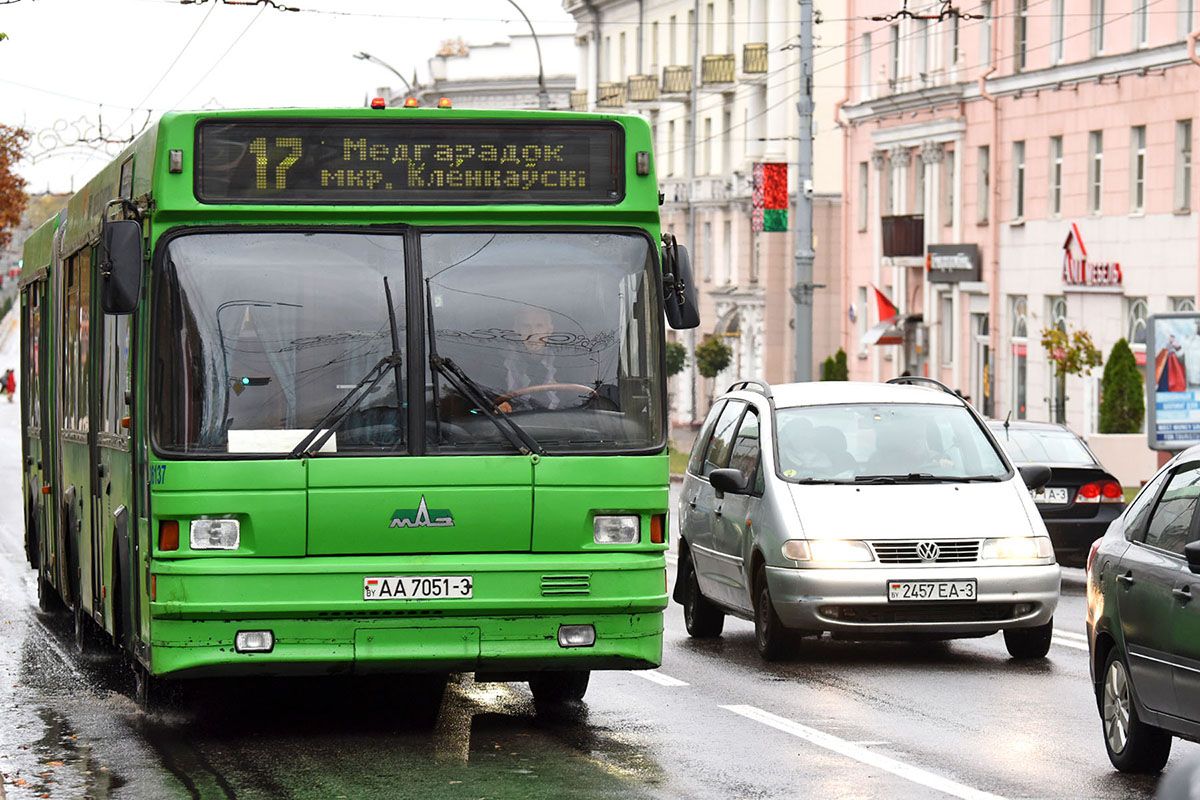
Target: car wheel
(1132, 745)
(703, 619)
(1029, 643)
(775, 642)
(559, 687)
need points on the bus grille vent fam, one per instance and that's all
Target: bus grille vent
(555, 585)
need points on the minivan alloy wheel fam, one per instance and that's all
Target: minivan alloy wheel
(1117, 701)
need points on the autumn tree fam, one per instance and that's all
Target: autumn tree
(12, 185)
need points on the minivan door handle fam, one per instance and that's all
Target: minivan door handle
(691, 502)
(1126, 579)
(1184, 593)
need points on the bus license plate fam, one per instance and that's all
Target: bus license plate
(418, 587)
(900, 591)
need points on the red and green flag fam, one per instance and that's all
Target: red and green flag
(770, 198)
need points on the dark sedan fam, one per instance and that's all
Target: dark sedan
(1082, 497)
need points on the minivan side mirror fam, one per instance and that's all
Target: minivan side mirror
(120, 266)
(679, 290)
(1035, 476)
(728, 480)
(1191, 551)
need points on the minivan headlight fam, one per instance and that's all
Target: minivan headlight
(1018, 548)
(215, 534)
(837, 551)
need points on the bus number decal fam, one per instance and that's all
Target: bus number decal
(158, 474)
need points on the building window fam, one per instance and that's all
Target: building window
(707, 166)
(1095, 170)
(1183, 304)
(730, 27)
(864, 67)
(861, 319)
(862, 208)
(946, 321)
(673, 40)
(985, 32)
(606, 67)
(955, 33)
(710, 14)
(727, 139)
(1056, 32)
(1141, 23)
(983, 183)
(921, 60)
(1183, 165)
(1019, 311)
(894, 55)
(1135, 316)
(1097, 27)
(654, 48)
(730, 265)
(1137, 168)
(1058, 380)
(947, 194)
(918, 182)
(1018, 180)
(706, 250)
(670, 147)
(1056, 173)
(687, 32)
(1187, 10)
(621, 57)
(1020, 31)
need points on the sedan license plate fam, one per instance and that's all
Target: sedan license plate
(1051, 496)
(418, 587)
(901, 591)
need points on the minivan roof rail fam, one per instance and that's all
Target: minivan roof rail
(921, 380)
(751, 385)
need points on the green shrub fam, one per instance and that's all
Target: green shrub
(676, 358)
(1122, 392)
(712, 356)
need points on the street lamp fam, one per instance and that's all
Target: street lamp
(385, 65)
(543, 95)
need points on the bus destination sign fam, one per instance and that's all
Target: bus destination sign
(408, 162)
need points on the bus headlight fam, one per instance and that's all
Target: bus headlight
(216, 534)
(625, 529)
(1018, 548)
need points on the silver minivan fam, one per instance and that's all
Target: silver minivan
(865, 510)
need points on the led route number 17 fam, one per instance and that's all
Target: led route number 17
(295, 147)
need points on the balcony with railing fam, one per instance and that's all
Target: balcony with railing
(718, 69)
(610, 95)
(643, 88)
(677, 80)
(903, 235)
(754, 58)
(579, 100)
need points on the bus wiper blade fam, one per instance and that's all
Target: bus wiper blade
(468, 388)
(315, 439)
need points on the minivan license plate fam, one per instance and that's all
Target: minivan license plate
(900, 591)
(418, 587)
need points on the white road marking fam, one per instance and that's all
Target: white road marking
(870, 744)
(863, 755)
(654, 676)
(1079, 637)
(1074, 645)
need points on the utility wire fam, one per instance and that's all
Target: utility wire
(221, 57)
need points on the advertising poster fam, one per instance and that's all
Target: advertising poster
(1173, 381)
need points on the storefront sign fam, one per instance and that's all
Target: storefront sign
(1173, 381)
(1077, 270)
(952, 263)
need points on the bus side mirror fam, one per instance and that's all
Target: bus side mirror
(679, 290)
(121, 266)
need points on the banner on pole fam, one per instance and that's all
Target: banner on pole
(769, 201)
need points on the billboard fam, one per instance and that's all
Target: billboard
(1173, 381)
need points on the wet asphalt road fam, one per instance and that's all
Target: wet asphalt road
(841, 720)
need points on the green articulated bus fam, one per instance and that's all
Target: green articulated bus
(347, 391)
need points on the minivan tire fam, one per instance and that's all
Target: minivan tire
(703, 619)
(775, 641)
(1145, 748)
(1029, 643)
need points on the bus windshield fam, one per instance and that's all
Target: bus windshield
(259, 334)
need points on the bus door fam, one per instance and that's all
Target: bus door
(35, 431)
(94, 526)
(113, 479)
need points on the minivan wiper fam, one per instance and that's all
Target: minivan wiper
(470, 389)
(315, 439)
(924, 477)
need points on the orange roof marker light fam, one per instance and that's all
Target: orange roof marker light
(444, 102)
(412, 102)
(378, 102)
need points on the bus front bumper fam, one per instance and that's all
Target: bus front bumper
(321, 625)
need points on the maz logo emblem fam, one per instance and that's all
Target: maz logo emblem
(422, 517)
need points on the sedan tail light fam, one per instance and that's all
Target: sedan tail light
(1107, 491)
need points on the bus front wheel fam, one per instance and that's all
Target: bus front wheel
(559, 687)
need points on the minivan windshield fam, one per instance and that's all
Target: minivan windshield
(894, 442)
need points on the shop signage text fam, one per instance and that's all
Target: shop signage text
(1077, 270)
(952, 263)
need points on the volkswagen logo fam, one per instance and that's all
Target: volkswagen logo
(928, 551)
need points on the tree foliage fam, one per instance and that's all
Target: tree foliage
(1072, 352)
(1122, 398)
(835, 367)
(12, 185)
(712, 356)
(676, 358)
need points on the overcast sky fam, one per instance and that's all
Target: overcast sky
(66, 62)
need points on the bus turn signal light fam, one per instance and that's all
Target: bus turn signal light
(168, 534)
(657, 526)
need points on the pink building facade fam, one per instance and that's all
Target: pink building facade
(1027, 170)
